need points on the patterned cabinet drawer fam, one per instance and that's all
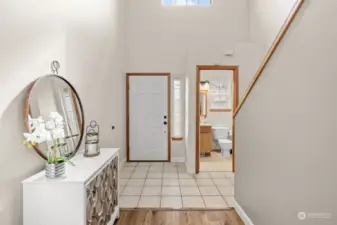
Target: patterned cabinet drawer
(102, 195)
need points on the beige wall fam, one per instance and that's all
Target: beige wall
(85, 37)
(159, 38)
(266, 19)
(286, 145)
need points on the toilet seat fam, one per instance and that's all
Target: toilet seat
(225, 141)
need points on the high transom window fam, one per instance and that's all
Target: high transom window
(187, 2)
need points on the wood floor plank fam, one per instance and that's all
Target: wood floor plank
(191, 218)
(162, 218)
(178, 217)
(234, 218)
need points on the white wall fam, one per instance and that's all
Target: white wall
(288, 163)
(85, 37)
(266, 19)
(218, 77)
(159, 37)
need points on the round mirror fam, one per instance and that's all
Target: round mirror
(53, 112)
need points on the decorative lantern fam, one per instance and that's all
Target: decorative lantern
(92, 140)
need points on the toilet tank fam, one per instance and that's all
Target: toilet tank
(220, 132)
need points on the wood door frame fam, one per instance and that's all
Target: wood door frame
(128, 75)
(235, 70)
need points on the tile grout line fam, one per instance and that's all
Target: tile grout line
(216, 187)
(127, 179)
(202, 196)
(141, 192)
(181, 193)
(140, 195)
(134, 167)
(220, 191)
(233, 188)
(162, 182)
(181, 196)
(168, 196)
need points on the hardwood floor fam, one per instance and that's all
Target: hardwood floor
(178, 217)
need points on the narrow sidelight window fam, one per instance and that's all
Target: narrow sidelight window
(177, 109)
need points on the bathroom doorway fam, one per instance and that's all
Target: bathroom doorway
(216, 102)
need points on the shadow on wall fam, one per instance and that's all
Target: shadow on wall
(17, 162)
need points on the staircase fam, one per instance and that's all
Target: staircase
(286, 125)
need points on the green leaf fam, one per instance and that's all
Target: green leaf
(62, 159)
(50, 158)
(71, 163)
(59, 160)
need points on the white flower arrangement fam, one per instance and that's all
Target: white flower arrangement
(46, 130)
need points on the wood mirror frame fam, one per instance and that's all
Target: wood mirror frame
(79, 111)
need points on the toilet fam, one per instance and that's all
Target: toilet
(226, 146)
(221, 136)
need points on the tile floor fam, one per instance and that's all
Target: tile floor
(168, 185)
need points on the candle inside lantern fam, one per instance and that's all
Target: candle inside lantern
(92, 148)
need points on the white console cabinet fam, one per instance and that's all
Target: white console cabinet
(87, 195)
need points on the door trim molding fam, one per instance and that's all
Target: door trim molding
(235, 70)
(128, 75)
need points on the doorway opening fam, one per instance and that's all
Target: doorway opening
(216, 101)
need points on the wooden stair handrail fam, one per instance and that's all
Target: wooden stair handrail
(271, 51)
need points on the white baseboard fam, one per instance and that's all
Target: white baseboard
(178, 159)
(190, 168)
(122, 162)
(244, 217)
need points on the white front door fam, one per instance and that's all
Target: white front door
(148, 118)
